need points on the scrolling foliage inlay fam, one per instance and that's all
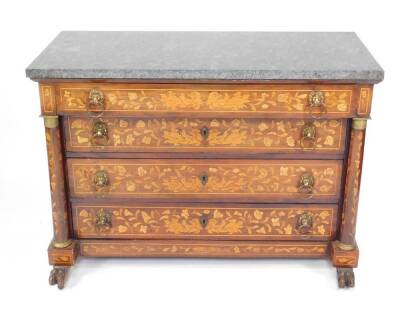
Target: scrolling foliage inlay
(141, 249)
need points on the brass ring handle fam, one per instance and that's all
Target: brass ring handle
(99, 133)
(203, 220)
(308, 136)
(204, 178)
(304, 223)
(306, 183)
(103, 220)
(101, 179)
(96, 99)
(204, 132)
(316, 104)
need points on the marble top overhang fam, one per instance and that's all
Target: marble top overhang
(332, 56)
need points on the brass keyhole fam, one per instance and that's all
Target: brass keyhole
(204, 179)
(204, 132)
(203, 220)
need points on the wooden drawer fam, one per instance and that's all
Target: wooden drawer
(124, 134)
(216, 180)
(286, 101)
(205, 221)
(204, 248)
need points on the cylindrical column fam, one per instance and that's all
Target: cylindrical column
(353, 178)
(57, 182)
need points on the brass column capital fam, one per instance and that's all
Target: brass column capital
(50, 121)
(359, 123)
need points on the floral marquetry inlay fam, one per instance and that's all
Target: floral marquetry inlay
(162, 222)
(57, 186)
(364, 102)
(202, 249)
(344, 258)
(159, 134)
(47, 100)
(268, 178)
(278, 100)
(352, 190)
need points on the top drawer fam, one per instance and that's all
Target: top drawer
(272, 101)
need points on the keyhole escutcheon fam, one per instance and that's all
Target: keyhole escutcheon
(203, 220)
(204, 132)
(204, 179)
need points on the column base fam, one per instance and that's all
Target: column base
(65, 256)
(344, 255)
(62, 259)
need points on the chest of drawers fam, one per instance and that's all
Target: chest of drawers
(205, 144)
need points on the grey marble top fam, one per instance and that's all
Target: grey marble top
(207, 55)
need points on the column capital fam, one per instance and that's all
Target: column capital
(50, 121)
(359, 123)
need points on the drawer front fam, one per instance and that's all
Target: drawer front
(274, 180)
(205, 221)
(301, 101)
(204, 248)
(209, 135)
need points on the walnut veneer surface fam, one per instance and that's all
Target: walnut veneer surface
(202, 165)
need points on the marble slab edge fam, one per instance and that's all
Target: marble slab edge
(369, 77)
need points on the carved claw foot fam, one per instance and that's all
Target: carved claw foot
(345, 277)
(58, 276)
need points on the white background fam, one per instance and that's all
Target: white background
(25, 220)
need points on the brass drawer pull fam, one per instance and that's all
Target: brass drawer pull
(99, 133)
(308, 136)
(304, 223)
(103, 220)
(204, 179)
(96, 99)
(204, 132)
(101, 179)
(316, 104)
(203, 220)
(306, 183)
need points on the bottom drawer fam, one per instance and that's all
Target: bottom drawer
(205, 221)
(204, 248)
